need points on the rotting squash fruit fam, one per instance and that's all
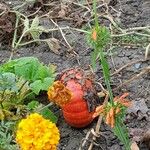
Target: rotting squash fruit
(79, 110)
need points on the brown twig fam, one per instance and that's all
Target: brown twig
(127, 65)
(145, 70)
(34, 12)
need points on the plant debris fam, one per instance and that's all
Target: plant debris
(6, 20)
(146, 138)
(138, 111)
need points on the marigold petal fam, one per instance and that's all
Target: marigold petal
(59, 94)
(94, 35)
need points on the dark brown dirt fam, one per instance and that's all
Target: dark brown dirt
(134, 13)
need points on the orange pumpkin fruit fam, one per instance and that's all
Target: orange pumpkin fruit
(79, 110)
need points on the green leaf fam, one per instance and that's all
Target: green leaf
(32, 105)
(42, 29)
(39, 85)
(23, 67)
(121, 132)
(40, 76)
(36, 86)
(47, 83)
(48, 114)
(8, 81)
(94, 57)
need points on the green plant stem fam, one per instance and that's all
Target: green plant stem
(95, 13)
(17, 12)
(104, 63)
(106, 74)
(119, 129)
(14, 44)
(20, 39)
(50, 104)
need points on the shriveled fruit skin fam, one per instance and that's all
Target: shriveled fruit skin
(76, 112)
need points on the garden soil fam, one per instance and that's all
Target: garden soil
(133, 13)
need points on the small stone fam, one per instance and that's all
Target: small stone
(137, 66)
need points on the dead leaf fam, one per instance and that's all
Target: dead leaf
(146, 138)
(139, 109)
(134, 146)
(63, 11)
(53, 44)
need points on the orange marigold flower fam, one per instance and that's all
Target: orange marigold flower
(117, 110)
(94, 35)
(59, 94)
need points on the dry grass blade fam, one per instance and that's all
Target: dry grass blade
(127, 65)
(147, 52)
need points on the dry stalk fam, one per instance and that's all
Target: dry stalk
(147, 52)
(127, 65)
(144, 71)
(61, 33)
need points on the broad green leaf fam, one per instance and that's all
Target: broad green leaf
(36, 86)
(47, 83)
(40, 76)
(48, 114)
(39, 85)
